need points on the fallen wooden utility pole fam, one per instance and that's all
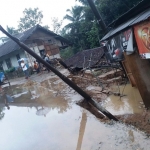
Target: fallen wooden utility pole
(64, 78)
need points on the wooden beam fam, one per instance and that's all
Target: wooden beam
(140, 69)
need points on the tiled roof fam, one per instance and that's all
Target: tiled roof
(11, 46)
(81, 59)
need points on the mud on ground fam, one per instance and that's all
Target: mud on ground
(100, 93)
(90, 84)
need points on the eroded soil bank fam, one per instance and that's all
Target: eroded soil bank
(118, 97)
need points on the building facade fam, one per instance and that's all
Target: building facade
(39, 39)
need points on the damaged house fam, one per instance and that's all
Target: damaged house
(39, 39)
(86, 58)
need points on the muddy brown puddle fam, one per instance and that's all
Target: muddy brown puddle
(130, 101)
(45, 117)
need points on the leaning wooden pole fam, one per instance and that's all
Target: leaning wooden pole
(64, 78)
(97, 15)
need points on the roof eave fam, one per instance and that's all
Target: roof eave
(145, 4)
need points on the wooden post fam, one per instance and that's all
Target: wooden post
(128, 71)
(141, 72)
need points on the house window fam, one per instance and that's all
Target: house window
(8, 63)
(1, 66)
(18, 56)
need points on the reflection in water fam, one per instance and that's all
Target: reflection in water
(129, 104)
(37, 96)
(131, 136)
(5, 99)
(59, 129)
(42, 111)
(1, 113)
(81, 130)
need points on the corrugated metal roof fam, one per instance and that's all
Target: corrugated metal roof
(136, 9)
(140, 17)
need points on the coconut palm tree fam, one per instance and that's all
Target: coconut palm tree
(75, 16)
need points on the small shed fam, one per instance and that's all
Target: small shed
(128, 41)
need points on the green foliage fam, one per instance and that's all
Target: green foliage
(56, 25)
(68, 52)
(93, 36)
(84, 2)
(46, 27)
(31, 17)
(83, 30)
(75, 16)
(11, 30)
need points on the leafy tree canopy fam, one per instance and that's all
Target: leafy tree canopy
(83, 30)
(56, 25)
(31, 17)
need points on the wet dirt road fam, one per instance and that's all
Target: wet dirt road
(44, 116)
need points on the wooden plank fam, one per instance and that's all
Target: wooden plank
(129, 72)
(141, 72)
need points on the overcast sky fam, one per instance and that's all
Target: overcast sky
(11, 10)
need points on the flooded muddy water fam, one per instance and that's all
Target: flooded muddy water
(42, 118)
(130, 101)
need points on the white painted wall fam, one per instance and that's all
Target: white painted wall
(23, 54)
(36, 49)
(4, 65)
(55, 56)
(13, 58)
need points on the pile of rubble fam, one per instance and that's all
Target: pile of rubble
(102, 86)
(98, 86)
